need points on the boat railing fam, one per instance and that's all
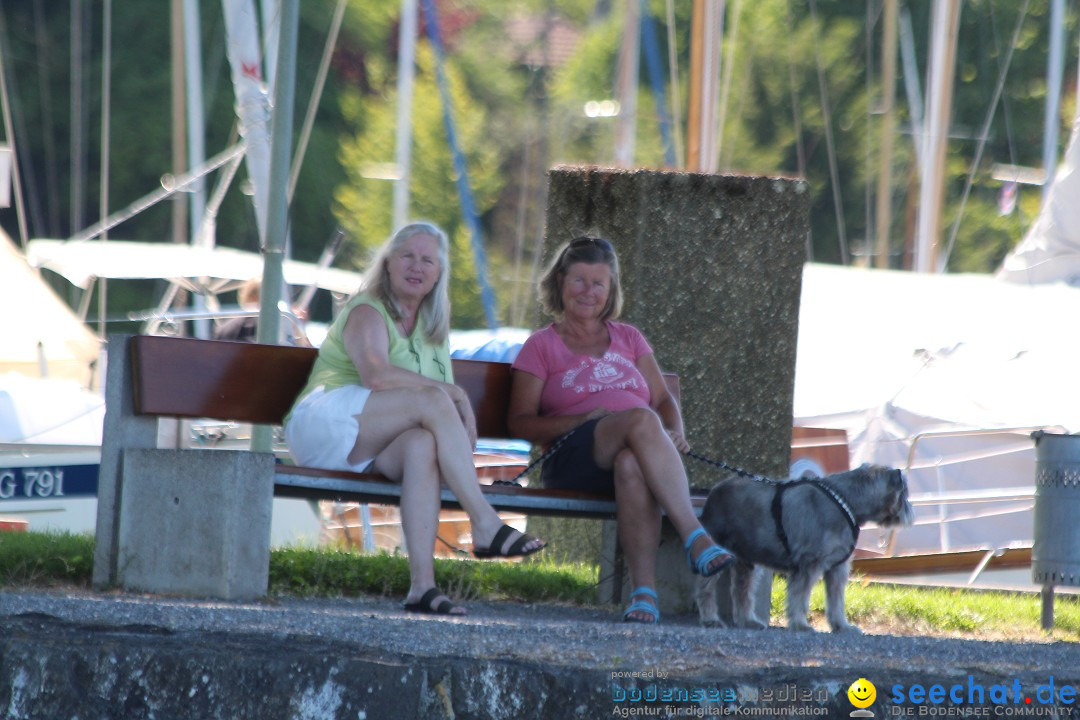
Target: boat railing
(945, 500)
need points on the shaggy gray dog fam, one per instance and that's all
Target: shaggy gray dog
(805, 529)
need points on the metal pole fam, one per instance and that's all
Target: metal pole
(888, 95)
(1054, 71)
(196, 140)
(627, 84)
(945, 23)
(277, 210)
(406, 73)
(106, 121)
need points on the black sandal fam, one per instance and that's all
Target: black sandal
(424, 604)
(515, 550)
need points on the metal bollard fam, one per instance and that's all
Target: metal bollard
(1055, 557)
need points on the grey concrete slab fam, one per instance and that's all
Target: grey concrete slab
(196, 522)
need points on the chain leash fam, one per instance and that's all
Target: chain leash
(732, 468)
(513, 482)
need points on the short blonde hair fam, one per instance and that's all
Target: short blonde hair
(583, 249)
(434, 315)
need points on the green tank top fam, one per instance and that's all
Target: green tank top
(334, 368)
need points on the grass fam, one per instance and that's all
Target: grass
(63, 560)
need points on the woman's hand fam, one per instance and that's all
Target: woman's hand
(679, 441)
(465, 411)
(596, 413)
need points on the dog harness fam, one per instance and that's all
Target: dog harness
(778, 511)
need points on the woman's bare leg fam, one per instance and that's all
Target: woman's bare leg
(411, 457)
(641, 432)
(389, 413)
(637, 517)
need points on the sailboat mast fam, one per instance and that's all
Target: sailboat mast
(1055, 70)
(707, 28)
(403, 141)
(945, 24)
(888, 97)
(277, 208)
(627, 84)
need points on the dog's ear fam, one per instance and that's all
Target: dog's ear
(896, 480)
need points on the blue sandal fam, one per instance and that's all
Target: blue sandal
(700, 564)
(643, 606)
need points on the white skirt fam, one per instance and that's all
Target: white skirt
(323, 428)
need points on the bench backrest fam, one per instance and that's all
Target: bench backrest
(248, 382)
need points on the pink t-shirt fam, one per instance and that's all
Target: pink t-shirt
(575, 383)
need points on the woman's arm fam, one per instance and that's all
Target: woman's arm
(367, 342)
(662, 401)
(524, 419)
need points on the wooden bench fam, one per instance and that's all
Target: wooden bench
(156, 377)
(245, 382)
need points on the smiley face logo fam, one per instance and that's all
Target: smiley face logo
(862, 693)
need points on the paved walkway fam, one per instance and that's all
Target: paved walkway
(97, 656)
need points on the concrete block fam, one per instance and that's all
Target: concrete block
(196, 523)
(123, 428)
(711, 269)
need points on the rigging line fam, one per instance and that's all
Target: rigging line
(656, 80)
(316, 95)
(676, 97)
(5, 105)
(472, 220)
(180, 183)
(868, 200)
(106, 120)
(834, 173)
(985, 134)
(725, 88)
(800, 151)
(52, 184)
(1007, 114)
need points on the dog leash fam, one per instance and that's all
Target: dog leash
(786, 483)
(783, 486)
(513, 482)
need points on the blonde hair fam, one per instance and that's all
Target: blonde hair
(434, 315)
(248, 294)
(583, 249)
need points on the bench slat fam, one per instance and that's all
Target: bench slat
(248, 382)
(245, 382)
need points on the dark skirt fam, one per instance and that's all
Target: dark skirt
(572, 466)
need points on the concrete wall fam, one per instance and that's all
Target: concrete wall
(712, 272)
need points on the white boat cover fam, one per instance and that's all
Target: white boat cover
(890, 355)
(82, 262)
(38, 332)
(1050, 251)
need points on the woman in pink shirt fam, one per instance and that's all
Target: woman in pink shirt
(598, 379)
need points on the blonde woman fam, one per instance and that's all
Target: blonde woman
(381, 397)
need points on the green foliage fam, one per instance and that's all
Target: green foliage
(920, 610)
(45, 559)
(365, 205)
(515, 120)
(302, 571)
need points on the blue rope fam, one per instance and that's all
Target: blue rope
(656, 80)
(468, 208)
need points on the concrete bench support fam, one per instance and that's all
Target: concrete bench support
(196, 522)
